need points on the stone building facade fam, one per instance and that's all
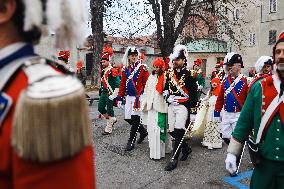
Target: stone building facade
(257, 25)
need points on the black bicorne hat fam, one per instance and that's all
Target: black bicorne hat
(132, 51)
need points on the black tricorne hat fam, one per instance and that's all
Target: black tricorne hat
(235, 58)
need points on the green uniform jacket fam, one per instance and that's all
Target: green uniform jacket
(200, 79)
(272, 147)
(113, 81)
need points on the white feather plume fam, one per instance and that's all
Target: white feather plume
(176, 53)
(260, 63)
(54, 14)
(78, 20)
(177, 50)
(125, 56)
(67, 18)
(33, 14)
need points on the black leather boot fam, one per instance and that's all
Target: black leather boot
(226, 140)
(130, 146)
(135, 120)
(171, 165)
(185, 150)
(173, 162)
(143, 134)
(132, 138)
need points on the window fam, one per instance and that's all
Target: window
(122, 49)
(273, 6)
(226, 10)
(236, 14)
(252, 39)
(272, 37)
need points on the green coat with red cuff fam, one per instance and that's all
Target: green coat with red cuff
(261, 95)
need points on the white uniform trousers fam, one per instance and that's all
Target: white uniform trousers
(177, 117)
(129, 110)
(228, 124)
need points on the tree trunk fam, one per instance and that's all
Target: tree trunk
(97, 9)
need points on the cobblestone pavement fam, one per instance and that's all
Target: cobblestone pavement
(116, 168)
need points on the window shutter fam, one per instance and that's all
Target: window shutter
(272, 37)
(236, 14)
(273, 6)
(252, 39)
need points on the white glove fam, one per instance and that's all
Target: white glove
(192, 117)
(200, 87)
(111, 97)
(119, 105)
(175, 102)
(166, 93)
(171, 99)
(231, 163)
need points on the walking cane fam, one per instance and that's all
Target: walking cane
(187, 129)
(240, 161)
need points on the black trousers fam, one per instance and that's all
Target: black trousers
(184, 148)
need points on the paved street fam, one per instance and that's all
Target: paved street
(118, 169)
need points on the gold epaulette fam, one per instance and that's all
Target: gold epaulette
(193, 73)
(193, 110)
(51, 119)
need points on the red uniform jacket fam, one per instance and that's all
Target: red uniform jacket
(15, 173)
(134, 86)
(235, 99)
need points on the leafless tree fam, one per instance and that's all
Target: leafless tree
(129, 19)
(182, 20)
(97, 9)
(171, 16)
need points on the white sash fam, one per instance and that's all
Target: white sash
(235, 82)
(132, 73)
(274, 104)
(106, 79)
(178, 86)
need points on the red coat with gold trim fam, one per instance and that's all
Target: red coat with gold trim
(16, 173)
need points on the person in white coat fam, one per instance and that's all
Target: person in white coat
(156, 107)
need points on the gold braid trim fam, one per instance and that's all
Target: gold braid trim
(51, 129)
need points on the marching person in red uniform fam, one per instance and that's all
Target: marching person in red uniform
(44, 142)
(132, 84)
(232, 96)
